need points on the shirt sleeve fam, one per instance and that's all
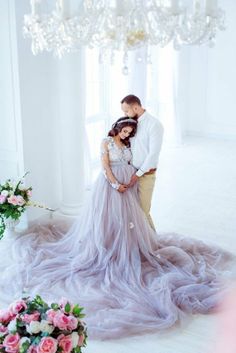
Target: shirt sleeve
(154, 147)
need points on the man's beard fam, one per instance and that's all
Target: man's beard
(135, 117)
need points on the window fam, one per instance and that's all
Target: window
(105, 87)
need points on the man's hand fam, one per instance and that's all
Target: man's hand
(133, 180)
(122, 188)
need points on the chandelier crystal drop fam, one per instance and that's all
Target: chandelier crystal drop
(122, 25)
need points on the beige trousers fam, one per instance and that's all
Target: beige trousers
(146, 187)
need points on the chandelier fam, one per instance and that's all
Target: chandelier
(121, 25)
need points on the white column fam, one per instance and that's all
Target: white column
(72, 131)
(11, 143)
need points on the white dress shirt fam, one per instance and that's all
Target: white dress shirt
(146, 144)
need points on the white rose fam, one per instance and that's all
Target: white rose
(23, 340)
(46, 327)
(33, 327)
(12, 326)
(75, 339)
(4, 193)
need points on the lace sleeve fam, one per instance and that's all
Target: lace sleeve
(106, 165)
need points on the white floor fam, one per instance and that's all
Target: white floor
(195, 195)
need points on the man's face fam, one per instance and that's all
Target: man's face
(129, 110)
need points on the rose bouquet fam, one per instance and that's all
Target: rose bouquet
(32, 326)
(14, 198)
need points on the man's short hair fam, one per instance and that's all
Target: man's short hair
(131, 99)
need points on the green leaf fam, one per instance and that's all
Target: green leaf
(54, 306)
(24, 347)
(77, 310)
(36, 340)
(67, 308)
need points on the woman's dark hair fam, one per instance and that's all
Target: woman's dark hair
(120, 124)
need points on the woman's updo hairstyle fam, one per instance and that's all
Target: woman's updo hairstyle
(120, 124)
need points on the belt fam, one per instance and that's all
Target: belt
(151, 171)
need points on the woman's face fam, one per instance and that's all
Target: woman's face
(125, 132)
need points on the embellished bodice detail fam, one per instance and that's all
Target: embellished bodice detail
(116, 153)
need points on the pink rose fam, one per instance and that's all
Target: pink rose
(2, 199)
(31, 317)
(5, 316)
(73, 323)
(51, 315)
(65, 343)
(20, 201)
(47, 345)
(81, 340)
(61, 321)
(11, 343)
(17, 306)
(3, 330)
(13, 200)
(32, 349)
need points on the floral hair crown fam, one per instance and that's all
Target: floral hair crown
(127, 121)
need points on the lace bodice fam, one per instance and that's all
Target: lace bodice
(116, 153)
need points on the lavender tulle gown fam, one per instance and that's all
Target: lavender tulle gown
(129, 279)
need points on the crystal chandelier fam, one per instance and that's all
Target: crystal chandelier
(122, 25)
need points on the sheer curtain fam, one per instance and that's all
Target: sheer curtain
(163, 92)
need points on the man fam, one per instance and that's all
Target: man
(145, 146)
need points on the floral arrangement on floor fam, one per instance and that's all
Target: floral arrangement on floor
(14, 198)
(32, 326)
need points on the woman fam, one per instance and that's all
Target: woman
(128, 278)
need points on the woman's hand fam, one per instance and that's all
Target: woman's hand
(122, 188)
(133, 180)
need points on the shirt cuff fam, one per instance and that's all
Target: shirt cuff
(139, 173)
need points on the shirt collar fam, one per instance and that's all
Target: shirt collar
(142, 117)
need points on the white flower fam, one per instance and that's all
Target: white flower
(75, 339)
(46, 327)
(4, 193)
(33, 327)
(12, 326)
(131, 225)
(23, 340)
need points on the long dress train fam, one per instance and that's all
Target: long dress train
(128, 278)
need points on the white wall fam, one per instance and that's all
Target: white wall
(211, 89)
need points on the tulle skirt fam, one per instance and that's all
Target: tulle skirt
(129, 279)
